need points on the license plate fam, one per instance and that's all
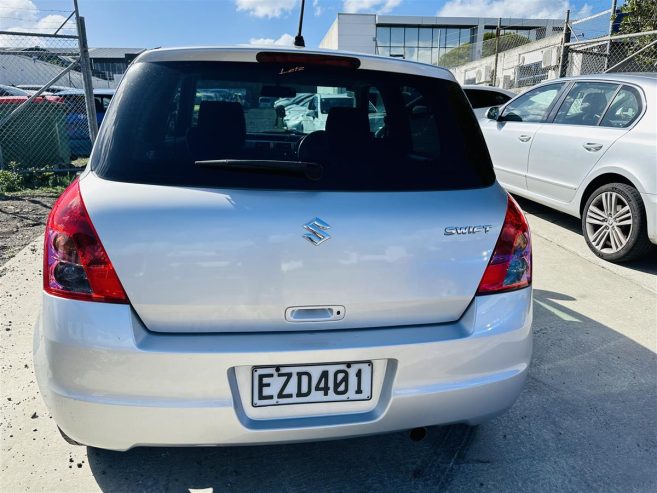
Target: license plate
(305, 384)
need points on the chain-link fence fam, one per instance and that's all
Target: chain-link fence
(44, 124)
(511, 56)
(523, 58)
(623, 53)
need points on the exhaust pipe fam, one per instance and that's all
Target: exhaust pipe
(417, 434)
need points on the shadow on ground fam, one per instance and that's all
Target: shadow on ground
(585, 421)
(646, 264)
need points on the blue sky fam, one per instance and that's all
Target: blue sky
(151, 23)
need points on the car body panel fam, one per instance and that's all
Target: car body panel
(559, 174)
(191, 260)
(513, 142)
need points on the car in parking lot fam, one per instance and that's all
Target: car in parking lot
(211, 281)
(76, 117)
(585, 146)
(484, 97)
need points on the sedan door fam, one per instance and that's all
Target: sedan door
(565, 150)
(509, 138)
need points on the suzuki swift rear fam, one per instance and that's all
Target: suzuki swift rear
(219, 276)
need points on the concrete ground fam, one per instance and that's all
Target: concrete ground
(587, 419)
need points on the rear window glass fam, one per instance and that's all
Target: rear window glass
(366, 130)
(481, 98)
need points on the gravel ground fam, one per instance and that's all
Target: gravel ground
(22, 218)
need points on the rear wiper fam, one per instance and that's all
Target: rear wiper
(312, 171)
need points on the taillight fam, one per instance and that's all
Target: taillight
(510, 266)
(336, 61)
(75, 264)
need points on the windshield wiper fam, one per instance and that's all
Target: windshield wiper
(312, 171)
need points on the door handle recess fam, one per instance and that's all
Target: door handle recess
(592, 146)
(524, 138)
(314, 313)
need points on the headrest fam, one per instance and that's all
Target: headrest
(347, 123)
(223, 122)
(595, 99)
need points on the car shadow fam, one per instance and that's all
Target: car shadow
(585, 421)
(647, 264)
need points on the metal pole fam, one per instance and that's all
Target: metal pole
(64, 23)
(85, 68)
(563, 62)
(497, 50)
(612, 19)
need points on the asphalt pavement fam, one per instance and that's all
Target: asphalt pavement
(586, 420)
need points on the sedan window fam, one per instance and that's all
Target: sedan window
(533, 105)
(624, 109)
(585, 103)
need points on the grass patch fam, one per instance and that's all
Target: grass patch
(33, 182)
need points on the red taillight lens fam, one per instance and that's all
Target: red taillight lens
(75, 264)
(510, 266)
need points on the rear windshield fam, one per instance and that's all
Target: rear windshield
(366, 130)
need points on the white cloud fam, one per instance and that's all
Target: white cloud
(317, 8)
(555, 9)
(378, 6)
(266, 8)
(23, 15)
(285, 40)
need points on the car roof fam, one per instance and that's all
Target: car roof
(80, 92)
(248, 54)
(639, 78)
(488, 88)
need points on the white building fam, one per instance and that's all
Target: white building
(426, 39)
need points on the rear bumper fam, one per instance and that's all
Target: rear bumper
(650, 206)
(110, 383)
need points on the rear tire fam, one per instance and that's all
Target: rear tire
(614, 223)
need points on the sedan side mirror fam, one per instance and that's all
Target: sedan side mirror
(493, 113)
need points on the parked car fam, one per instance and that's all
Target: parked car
(585, 146)
(51, 89)
(484, 97)
(18, 95)
(312, 114)
(205, 284)
(42, 123)
(76, 117)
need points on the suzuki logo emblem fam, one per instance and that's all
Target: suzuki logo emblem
(317, 231)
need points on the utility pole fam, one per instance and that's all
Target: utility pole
(612, 20)
(563, 61)
(85, 68)
(498, 31)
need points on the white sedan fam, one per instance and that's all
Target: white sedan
(585, 146)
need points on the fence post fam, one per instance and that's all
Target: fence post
(498, 29)
(563, 61)
(85, 68)
(612, 19)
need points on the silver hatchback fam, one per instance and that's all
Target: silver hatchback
(215, 277)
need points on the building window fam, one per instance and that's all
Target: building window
(424, 37)
(383, 36)
(421, 43)
(397, 36)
